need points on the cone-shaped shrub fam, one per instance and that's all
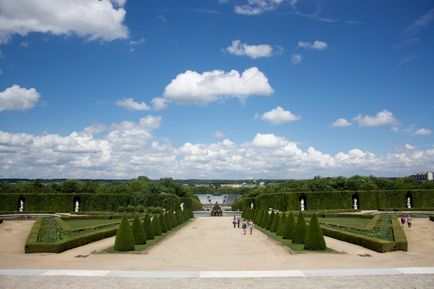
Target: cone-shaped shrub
(173, 219)
(258, 217)
(265, 218)
(270, 220)
(147, 225)
(299, 230)
(169, 225)
(179, 218)
(243, 213)
(156, 226)
(138, 232)
(314, 238)
(288, 232)
(254, 213)
(124, 237)
(162, 223)
(275, 223)
(282, 222)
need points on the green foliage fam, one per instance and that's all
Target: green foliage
(168, 220)
(124, 237)
(264, 220)
(258, 217)
(147, 226)
(179, 218)
(288, 232)
(138, 232)
(140, 208)
(275, 223)
(156, 226)
(173, 219)
(314, 238)
(282, 223)
(131, 208)
(121, 209)
(163, 225)
(431, 218)
(270, 220)
(400, 240)
(299, 230)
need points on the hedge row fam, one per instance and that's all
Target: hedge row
(400, 240)
(373, 222)
(431, 218)
(61, 202)
(367, 200)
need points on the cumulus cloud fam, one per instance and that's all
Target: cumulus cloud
(131, 104)
(192, 87)
(255, 7)
(159, 103)
(279, 116)
(422, 132)
(317, 45)
(268, 140)
(18, 98)
(383, 117)
(341, 122)
(296, 58)
(252, 51)
(93, 20)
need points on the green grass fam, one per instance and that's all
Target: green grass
(358, 223)
(299, 248)
(77, 224)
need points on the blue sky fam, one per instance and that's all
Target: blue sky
(216, 89)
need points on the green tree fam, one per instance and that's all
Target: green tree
(275, 224)
(300, 230)
(124, 237)
(162, 223)
(264, 220)
(288, 232)
(156, 226)
(147, 226)
(270, 220)
(314, 237)
(282, 222)
(168, 220)
(138, 232)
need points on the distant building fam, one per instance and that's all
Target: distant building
(425, 176)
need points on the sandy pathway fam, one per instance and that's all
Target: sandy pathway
(212, 244)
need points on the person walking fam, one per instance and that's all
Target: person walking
(402, 220)
(234, 222)
(238, 221)
(250, 224)
(409, 221)
(244, 226)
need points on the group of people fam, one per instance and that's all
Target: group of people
(405, 219)
(243, 224)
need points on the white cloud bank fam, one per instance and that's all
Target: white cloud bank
(341, 122)
(422, 132)
(383, 117)
(253, 51)
(18, 98)
(192, 87)
(279, 116)
(128, 149)
(255, 7)
(93, 20)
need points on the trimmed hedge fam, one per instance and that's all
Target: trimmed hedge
(400, 240)
(314, 239)
(124, 237)
(373, 222)
(147, 226)
(138, 232)
(288, 232)
(299, 230)
(270, 221)
(282, 223)
(163, 225)
(156, 226)
(431, 218)
(275, 224)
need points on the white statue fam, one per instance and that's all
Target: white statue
(355, 206)
(182, 206)
(77, 206)
(408, 202)
(21, 208)
(251, 205)
(302, 205)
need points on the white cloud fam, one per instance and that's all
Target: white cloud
(137, 42)
(341, 122)
(90, 19)
(422, 132)
(423, 21)
(255, 7)
(159, 103)
(219, 134)
(192, 87)
(131, 104)
(279, 116)
(268, 140)
(18, 98)
(296, 58)
(253, 51)
(317, 45)
(383, 117)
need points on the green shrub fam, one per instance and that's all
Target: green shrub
(124, 237)
(288, 232)
(400, 240)
(270, 220)
(314, 238)
(140, 208)
(168, 220)
(431, 218)
(147, 226)
(257, 219)
(138, 232)
(264, 220)
(156, 226)
(282, 223)
(162, 223)
(299, 230)
(179, 218)
(173, 219)
(121, 209)
(373, 222)
(131, 208)
(275, 224)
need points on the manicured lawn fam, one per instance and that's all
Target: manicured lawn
(77, 224)
(359, 223)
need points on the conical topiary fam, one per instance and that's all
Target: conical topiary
(124, 238)
(173, 219)
(299, 230)
(258, 217)
(288, 232)
(138, 232)
(282, 222)
(270, 220)
(156, 226)
(169, 225)
(314, 237)
(179, 218)
(162, 223)
(275, 223)
(147, 225)
(265, 218)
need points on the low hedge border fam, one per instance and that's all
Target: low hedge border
(367, 242)
(400, 240)
(64, 226)
(373, 222)
(431, 218)
(98, 227)
(405, 209)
